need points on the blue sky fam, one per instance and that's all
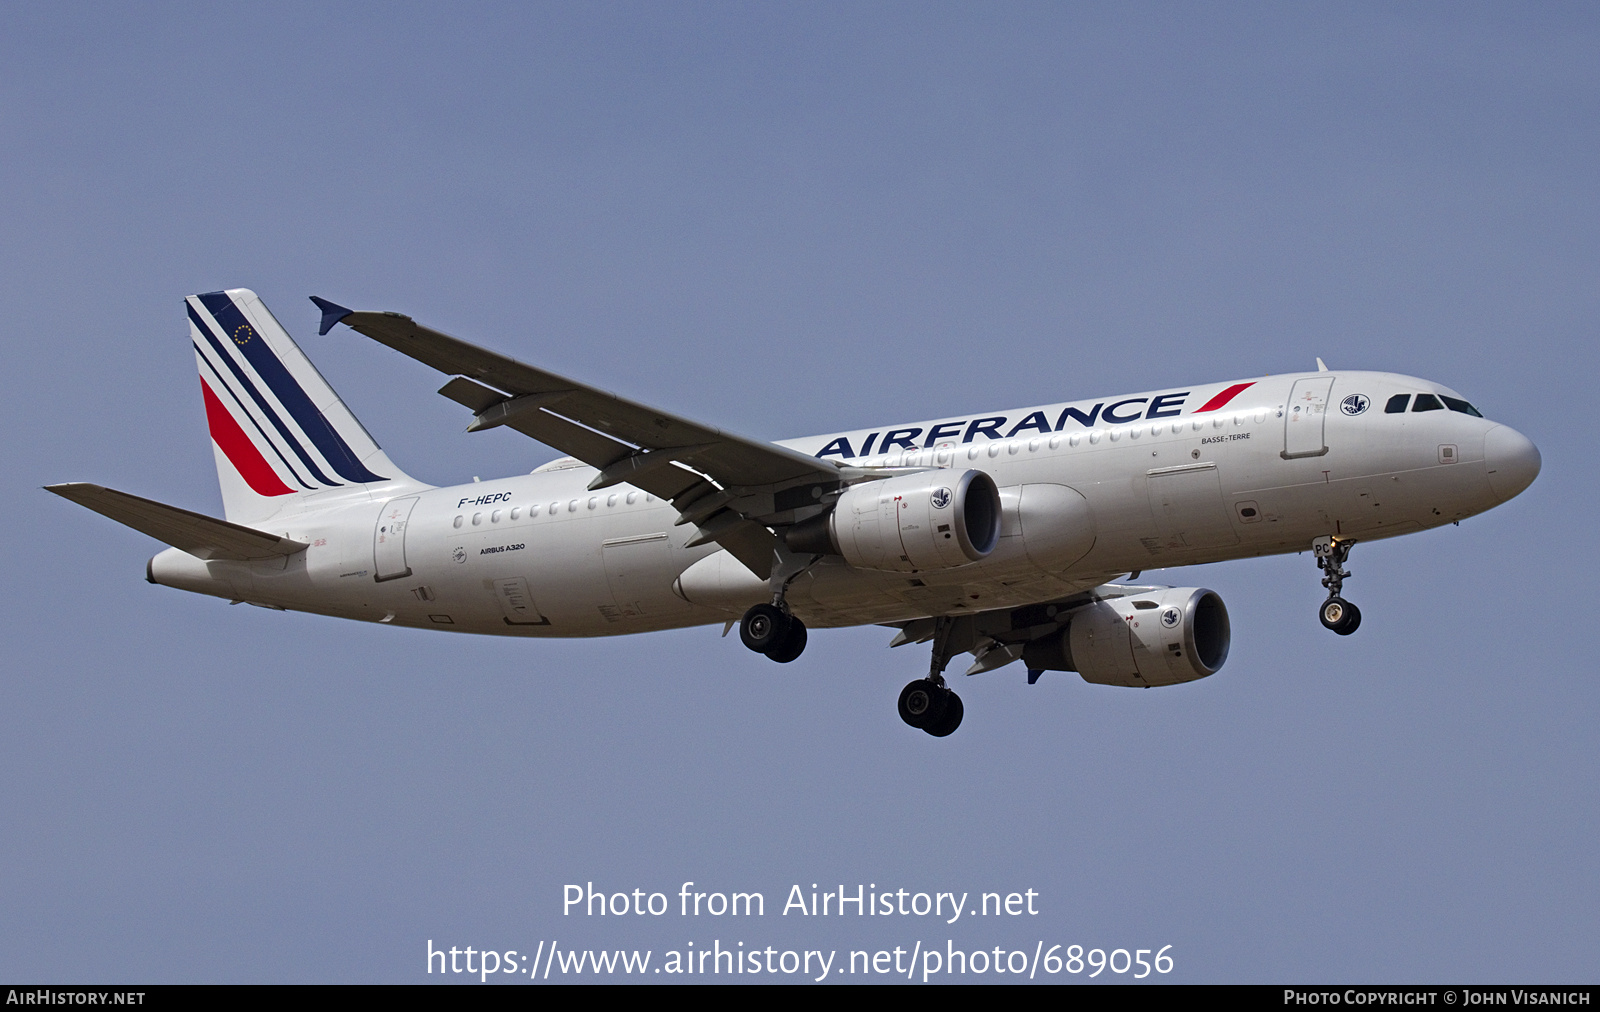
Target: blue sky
(785, 220)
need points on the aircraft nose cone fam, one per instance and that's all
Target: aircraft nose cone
(1511, 460)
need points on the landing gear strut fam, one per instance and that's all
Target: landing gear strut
(927, 703)
(1337, 614)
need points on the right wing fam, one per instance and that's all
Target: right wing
(735, 490)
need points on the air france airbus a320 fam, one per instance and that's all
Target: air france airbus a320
(995, 534)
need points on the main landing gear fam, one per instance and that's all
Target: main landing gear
(1337, 614)
(769, 629)
(928, 703)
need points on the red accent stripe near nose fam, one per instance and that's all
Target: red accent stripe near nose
(1224, 397)
(238, 448)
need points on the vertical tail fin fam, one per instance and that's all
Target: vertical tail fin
(280, 433)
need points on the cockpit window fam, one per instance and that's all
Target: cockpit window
(1427, 402)
(1457, 404)
(1396, 404)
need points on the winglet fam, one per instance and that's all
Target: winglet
(331, 314)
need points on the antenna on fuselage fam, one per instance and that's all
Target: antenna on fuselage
(1320, 366)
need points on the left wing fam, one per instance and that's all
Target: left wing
(735, 490)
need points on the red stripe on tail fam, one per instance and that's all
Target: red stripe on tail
(1224, 397)
(238, 448)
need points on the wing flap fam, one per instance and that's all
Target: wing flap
(471, 395)
(201, 536)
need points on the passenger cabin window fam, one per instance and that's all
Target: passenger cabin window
(1396, 404)
(1427, 402)
(1457, 404)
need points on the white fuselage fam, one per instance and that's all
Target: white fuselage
(1089, 490)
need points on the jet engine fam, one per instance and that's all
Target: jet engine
(1163, 637)
(915, 522)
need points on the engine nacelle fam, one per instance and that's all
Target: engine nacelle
(916, 522)
(1159, 638)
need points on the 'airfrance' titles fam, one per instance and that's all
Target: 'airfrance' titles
(1131, 409)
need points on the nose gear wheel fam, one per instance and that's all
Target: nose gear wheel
(1336, 613)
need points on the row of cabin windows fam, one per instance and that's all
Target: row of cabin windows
(555, 507)
(1429, 402)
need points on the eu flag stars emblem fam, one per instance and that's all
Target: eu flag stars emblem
(242, 334)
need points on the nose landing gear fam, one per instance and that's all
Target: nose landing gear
(1337, 614)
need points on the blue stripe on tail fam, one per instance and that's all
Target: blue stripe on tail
(288, 391)
(261, 402)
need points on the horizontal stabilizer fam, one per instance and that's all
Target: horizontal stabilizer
(201, 536)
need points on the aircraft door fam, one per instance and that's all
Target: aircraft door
(389, 540)
(1304, 417)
